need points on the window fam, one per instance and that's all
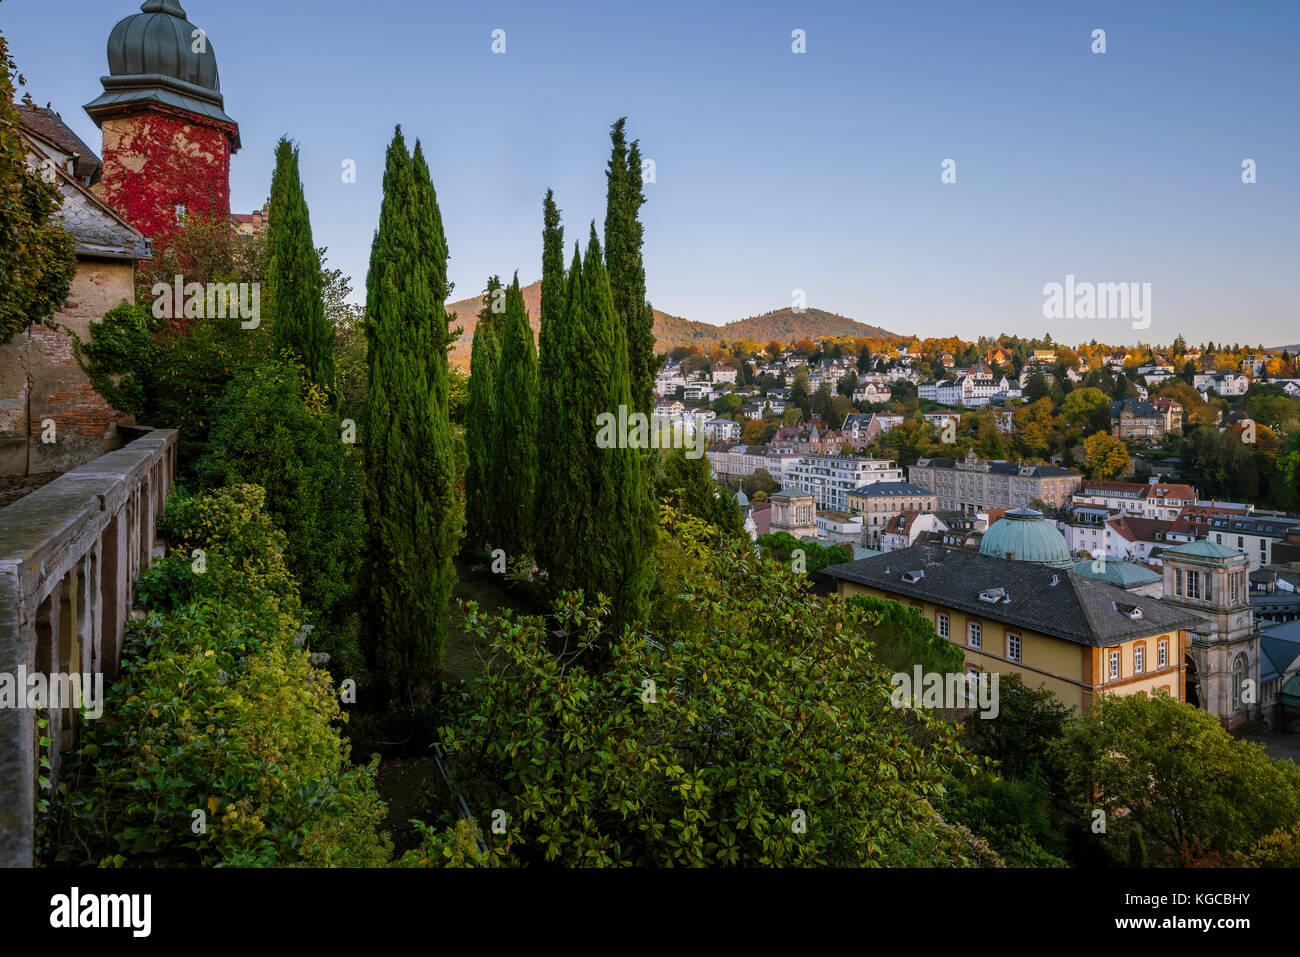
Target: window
(1013, 647)
(1219, 539)
(1193, 584)
(974, 634)
(1162, 655)
(944, 629)
(1239, 668)
(1178, 581)
(1209, 587)
(1241, 543)
(1139, 659)
(1114, 664)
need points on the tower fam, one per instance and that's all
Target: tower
(1212, 582)
(167, 140)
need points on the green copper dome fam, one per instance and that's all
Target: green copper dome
(1116, 571)
(1204, 548)
(158, 56)
(1025, 536)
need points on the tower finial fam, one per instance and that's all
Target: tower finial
(164, 6)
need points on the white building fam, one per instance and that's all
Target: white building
(829, 478)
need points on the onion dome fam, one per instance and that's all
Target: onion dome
(1025, 536)
(158, 56)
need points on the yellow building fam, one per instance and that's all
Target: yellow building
(1075, 636)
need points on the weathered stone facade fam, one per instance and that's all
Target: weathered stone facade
(41, 381)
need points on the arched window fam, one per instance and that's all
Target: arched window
(1239, 669)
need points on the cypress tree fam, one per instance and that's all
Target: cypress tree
(516, 407)
(408, 493)
(293, 278)
(620, 534)
(573, 444)
(481, 424)
(624, 238)
(550, 489)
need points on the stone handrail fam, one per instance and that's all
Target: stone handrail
(70, 553)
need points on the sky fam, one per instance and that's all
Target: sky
(778, 171)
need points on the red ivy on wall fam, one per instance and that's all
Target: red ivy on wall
(161, 161)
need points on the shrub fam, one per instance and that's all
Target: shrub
(219, 744)
(273, 431)
(762, 734)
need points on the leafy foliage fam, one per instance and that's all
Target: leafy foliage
(221, 746)
(767, 714)
(37, 261)
(274, 430)
(1194, 790)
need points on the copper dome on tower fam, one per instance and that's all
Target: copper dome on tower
(157, 56)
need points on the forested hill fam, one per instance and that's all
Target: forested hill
(784, 325)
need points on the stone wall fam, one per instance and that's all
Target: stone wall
(41, 380)
(69, 557)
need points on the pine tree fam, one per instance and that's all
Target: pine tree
(293, 278)
(481, 424)
(623, 241)
(551, 490)
(408, 494)
(516, 407)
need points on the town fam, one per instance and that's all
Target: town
(309, 561)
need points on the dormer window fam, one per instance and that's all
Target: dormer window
(912, 577)
(994, 595)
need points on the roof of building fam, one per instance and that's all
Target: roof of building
(1117, 572)
(1136, 529)
(1024, 535)
(1280, 649)
(49, 124)
(1044, 599)
(889, 489)
(1203, 548)
(153, 58)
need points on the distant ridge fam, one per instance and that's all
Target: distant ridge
(670, 332)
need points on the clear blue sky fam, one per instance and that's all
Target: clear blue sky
(778, 171)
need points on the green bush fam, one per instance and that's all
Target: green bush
(272, 430)
(761, 734)
(219, 744)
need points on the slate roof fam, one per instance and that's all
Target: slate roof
(1076, 609)
(1280, 647)
(1138, 408)
(888, 489)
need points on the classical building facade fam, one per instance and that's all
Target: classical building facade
(973, 484)
(1211, 582)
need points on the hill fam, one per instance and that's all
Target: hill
(672, 331)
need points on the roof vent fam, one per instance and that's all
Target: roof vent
(1056, 580)
(914, 576)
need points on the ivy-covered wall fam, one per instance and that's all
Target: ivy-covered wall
(154, 162)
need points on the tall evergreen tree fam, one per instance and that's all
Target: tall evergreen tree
(481, 424)
(612, 527)
(293, 279)
(408, 494)
(574, 437)
(516, 407)
(551, 490)
(623, 241)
